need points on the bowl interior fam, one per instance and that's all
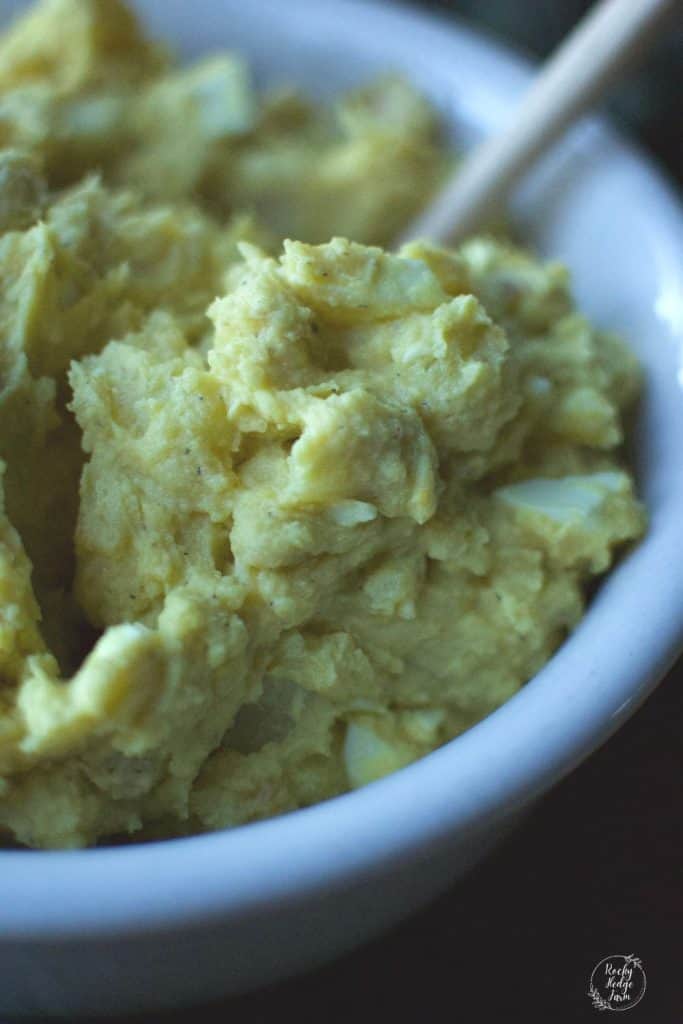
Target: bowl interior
(594, 203)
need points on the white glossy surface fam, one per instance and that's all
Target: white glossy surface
(116, 929)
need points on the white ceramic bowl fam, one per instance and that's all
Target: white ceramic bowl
(184, 921)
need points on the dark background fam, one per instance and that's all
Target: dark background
(597, 868)
(647, 105)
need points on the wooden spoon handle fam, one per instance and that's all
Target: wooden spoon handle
(586, 63)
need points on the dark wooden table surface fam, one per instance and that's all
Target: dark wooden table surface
(595, 871)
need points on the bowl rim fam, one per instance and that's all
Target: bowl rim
(528, 743)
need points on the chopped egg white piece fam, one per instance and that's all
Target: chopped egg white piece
(368, 757)
(568, 497)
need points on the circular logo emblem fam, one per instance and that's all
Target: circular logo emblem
(617, 983)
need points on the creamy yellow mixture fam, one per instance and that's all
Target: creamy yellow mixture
(252, 559)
